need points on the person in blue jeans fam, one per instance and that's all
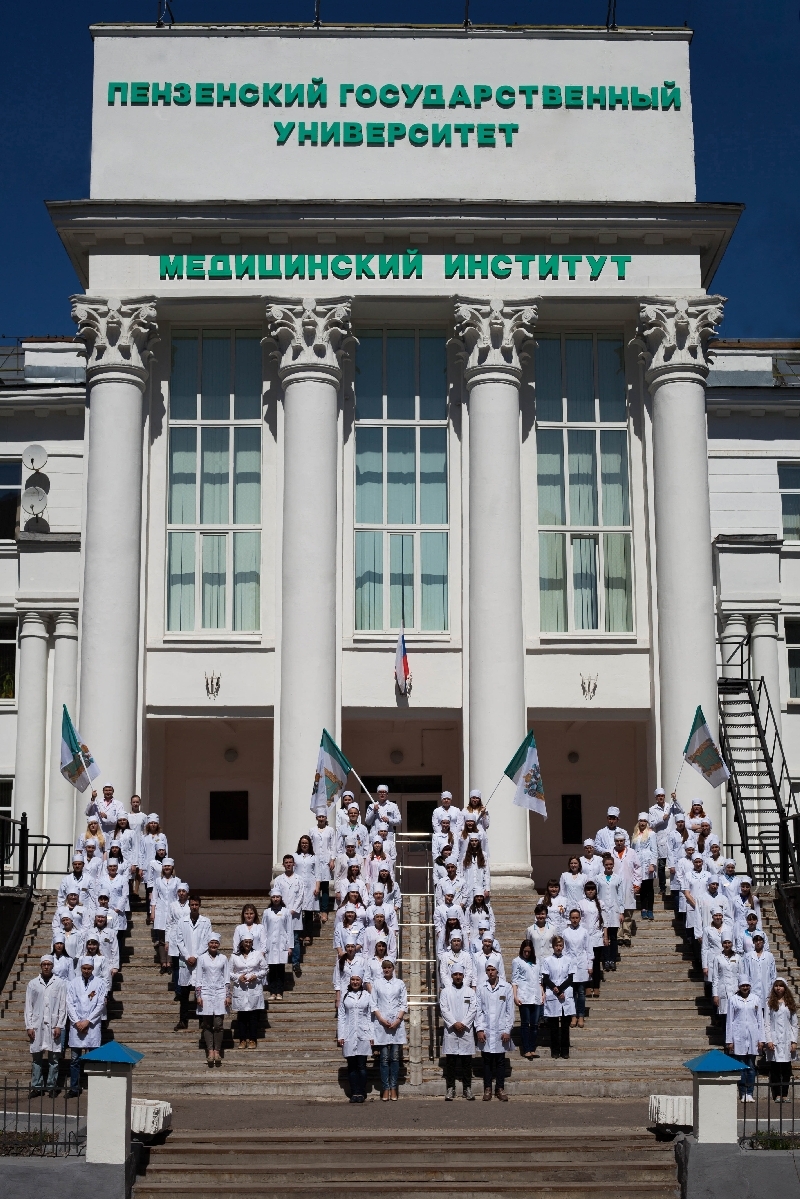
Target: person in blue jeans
(526, 984)
(389, 1007)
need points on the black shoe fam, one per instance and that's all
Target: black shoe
(297, 971)
(73, 1095)
(56, 1091)
(180, 1026)
(565, 1053)
(35, 1092)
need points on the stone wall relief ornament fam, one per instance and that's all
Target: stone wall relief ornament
(493, 335)
(117, 333)
(673, 335)
(589, 686)
(307, 335)
(213, 682)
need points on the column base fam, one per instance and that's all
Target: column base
(511, 878)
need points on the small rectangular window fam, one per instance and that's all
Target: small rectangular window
(789, 483)
(571, 820)
(228, 816)
(10, 488)
(8, 661)
(793, 650)
(6, 838)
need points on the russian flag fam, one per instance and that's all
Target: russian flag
(402, 674)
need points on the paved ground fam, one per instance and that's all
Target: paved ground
(293, 1115)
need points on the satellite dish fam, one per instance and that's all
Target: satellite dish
(34, 457)
(34, 500)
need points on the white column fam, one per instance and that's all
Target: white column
(765, 662)
(492, 337)
(310, 341)
(673, 336)
(62, 796)
(733, 647)
(31, 721)
(118, 335)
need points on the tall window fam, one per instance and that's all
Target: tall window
(585, 565)
(10, 488)
(8, 658)
(789, 483)
(401, 517)
(793, 650)
(214, 517)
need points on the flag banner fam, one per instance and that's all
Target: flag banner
(402, 675)
(77, 764)
(701, 753)
(523, 770)
(332, 771)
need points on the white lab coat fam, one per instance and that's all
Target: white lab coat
(662, 821)
(480, 918)
(361, 834)
(374, 865)
(109, 948)
(458, 1005)
(212, 979)
(711, 946)
(342, 864)
(448, 958)
(386, 812)
(558, 970)
(439, 840)
(305, 866)
(46, 1010)
(177, 912)
(278, 935)
(254, 931)
(591, 867)
(591, 918)
(454, 887)
(630, 868)
(725, 979)
(576, 944)
(760, 969)
(780, 1027)
(118, 896)
(191, 941)
(696, 883)
(542, 938)
(744, 1028)
(293, 891)
(611, 893)
(343, 933)
(324, 842)
(86, 1000)
(149, 844)
(85, 886)
(646, 848)
(477, 879)
(137, 822)
(495, 1014)
(604, 839)
(346, 967)
(107, 814)
(371, 935)
(354, 1023)
(165, 892)
(572, 889)
(706, 904)
(248, 996)
(479, 963)
(456, 818)
(527, 978)
(390, 998)
(78, 916)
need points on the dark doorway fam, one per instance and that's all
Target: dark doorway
(571, 820)
(228, 816)
(418, 815)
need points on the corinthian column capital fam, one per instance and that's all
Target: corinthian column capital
(673, 337)
(118, 334)
(310, 339)
(491, 338)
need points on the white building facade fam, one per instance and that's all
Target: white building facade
(353, 354)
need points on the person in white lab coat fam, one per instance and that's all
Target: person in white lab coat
(458, 1008)
(191, 941)
(541, 932)
(479, 916)
(453, 884)
(375, 929)
(178, 910)
(377, 861)
(591, 861)
(353, 828)
(456, 956)
(108, 944)
(604, 837)
(493, 1023)
(45, 1020)
(118, 887)
(711, 944)
(526, 983)
(724, 975)
(305, 865)
(107, 810)
(164, 893)
(780, 1034)
(446, 836)
(70, 908)
(626, 863)
(645, 844)
(708, 903)
(611, 893)
(213, 990)
(63, 966)
(351, 962)
(354, 1033)
(292, 889)
(86, 1002)
(744, 1034)
(661, 817)
(759, 967)
(250, 926)
(343, 811)
(446, 808)
(74, 939)
(276, 922)
(77, 879)
(385, 810)
(592, 920)
(487, 956)
(578, 947)
(559, 1003)
(374, 967)
(323, 840)
(389, 1007)
(137, 822)
(248, 975)
(571, 883)
(475, 869)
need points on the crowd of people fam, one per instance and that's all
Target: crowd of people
(344, 870)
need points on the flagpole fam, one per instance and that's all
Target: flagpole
(502, 776)
(363, 784)
(680, 772)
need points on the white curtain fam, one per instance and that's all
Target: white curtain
(618, 582)
(400, 376)
(369, 580)
(182, 476)
(550, 476)
(580, 378)
(214, 558)
(547, 363)
(611, 378)
(369, 476)
(215, 470)
(401, 581)
(247, 375)
(246, 581)
(247, 476)
(401, 476)
(552, 583)
(180, 582)
(582, 463)
(432, 376)
(369, 377)
(183, 377)
(433, 553)
(584, 582)
(433, 476)
(791, 517)
(216, 375)
(614, 476)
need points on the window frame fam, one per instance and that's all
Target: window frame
(787, 491)
(227, 529)
(571, 532)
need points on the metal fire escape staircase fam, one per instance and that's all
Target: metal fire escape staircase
(764, 803)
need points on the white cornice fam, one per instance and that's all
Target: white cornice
(341, 30)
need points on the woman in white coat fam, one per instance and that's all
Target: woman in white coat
(212, 984)
(276, 923)
(577, 946)
(351, 962)
(45, 1019)
(744, 1034)
(780, 1033)
(526, 983)
(323, 839)
(724, 974)
(559, 1003)
(248, 975)
(611, 893)
(456, 956)
(86, 1004)
(644, 843)
(541, 932)
(571, 883)
(389, 1007)
(250, 927)
(626, 863)
(592, 920)
(305, 865)
(354, 1032)
(137, 822)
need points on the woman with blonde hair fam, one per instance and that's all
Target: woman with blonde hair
(780, 1031)
(644, 842)
(93, 829)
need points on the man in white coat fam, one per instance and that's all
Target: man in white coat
(45, 1020)
(759, 967)
(86, 1003)
(744, 1034)
(604, 837)
(292, 889)
(191, 940)
(457, 1006)
(446, 808)
(107, 810)
(627, 863)
(661, 817)
(493, 1023)
(384, 809)
(323, 840)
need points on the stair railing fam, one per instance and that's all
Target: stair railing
(15, 837)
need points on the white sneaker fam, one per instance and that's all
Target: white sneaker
(450, 1094)
(749, 1097)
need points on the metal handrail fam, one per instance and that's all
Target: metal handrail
(24, 844)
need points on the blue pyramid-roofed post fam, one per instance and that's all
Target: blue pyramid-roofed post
(109, 1074)
(715, 1078)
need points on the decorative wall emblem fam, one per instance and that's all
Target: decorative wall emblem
(212, 685)
(589, 686)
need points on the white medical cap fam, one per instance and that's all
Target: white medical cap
(612, 811)
(659, 791)
(644, 816)
(745, 878)
(90, 841)
(87, 961)
(184, 886)
(168, 862)
(346, 793)
(619, 835)
(447, 795)
(476, 794)
(589, 841)
(212, 936)
(382, 826)
(153, 817)
(77, 856)
(382, 787)
(73, 891)
(275, 891)
(46, 957)
(350, 839)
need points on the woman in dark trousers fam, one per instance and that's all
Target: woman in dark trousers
(559, 1004)
(354, 1035)
(527, 986)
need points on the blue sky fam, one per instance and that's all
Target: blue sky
(747, 127)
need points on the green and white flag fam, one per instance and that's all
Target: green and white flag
(332, 771)
(77, 764)
(523, 769)
(702, 753)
